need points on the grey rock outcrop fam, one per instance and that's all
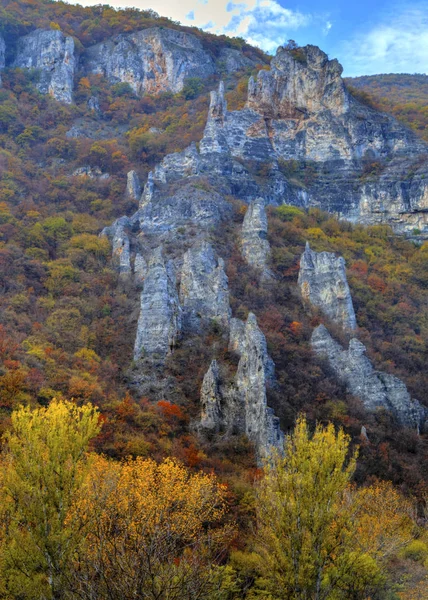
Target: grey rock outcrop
(301, 111)
(133, 186)
(2, 55)
(159, 324)
(119, 239)
(211, 400)
(140, 269)
(254, 243)
(241, 406)
(232, 60)
(204, 291)
(323, 283)
(91, 172)
(374, 388)
(152, 61)
(53, 54)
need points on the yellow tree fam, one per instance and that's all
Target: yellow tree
(303, 514)
(156, 531)
(42, 472)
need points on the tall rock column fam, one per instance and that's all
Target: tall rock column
(241, 406)
(323, 283)
(255, 370)
(2, 55)
(53, 53)
(204, 291)
(254, 243)
(159, 323)
(215, 140)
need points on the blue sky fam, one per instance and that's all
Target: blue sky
(367, 36)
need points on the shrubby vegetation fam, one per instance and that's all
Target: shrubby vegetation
(74, 524)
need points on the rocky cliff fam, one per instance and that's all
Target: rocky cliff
(254, 243)
(240, 406)
(204, 291)
(374, 388)
(300, 110)
(152, 61)
(323, 283)
(53, 54)
(159, 324)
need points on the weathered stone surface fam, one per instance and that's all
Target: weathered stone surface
(91, 172)
(301, 111)
(254, 243)
(374, 388)
(211, 400)
(187, 205)
(53, 53)
(204, 291)
(301, 81)
(152, 61)
(237, 336)
(323, 283)
(140, 269)
(159, 324)
(232, 60)
(2, 55)
(118, 236)
(133, 186)
(241, 407)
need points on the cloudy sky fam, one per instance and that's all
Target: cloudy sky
(367, 36)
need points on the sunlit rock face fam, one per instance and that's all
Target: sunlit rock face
(152, 61)
(255, 247)
(159, 324)
(53, 54)
(323, 283)
(2, 55)
(300, 118)
(241, 406)
(204, 291)
(375, 388)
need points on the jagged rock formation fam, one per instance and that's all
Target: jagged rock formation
(241, 406)
(204, 291)
(254, 243)
(232, 60)
(300, 110)
(53, 53)
(322, 281)
(133, 186)
(152, 61)
(140, 269)
(91, 172)
(159, 324)
(2, 55)
(374, 388)
(121, 247)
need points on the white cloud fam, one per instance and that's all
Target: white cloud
(264, 23)
(398, 45)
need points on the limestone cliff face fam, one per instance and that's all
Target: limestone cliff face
(133, 186)
(322, 281)
(152, 61)
(301, 111)
(254, 243)
(159, 324)
(204, 291)
(53, 54)
(374, 388)
(2, 55)
(299, 81)
(241, 406)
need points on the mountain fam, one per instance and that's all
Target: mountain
(205, 242)
(402, 95)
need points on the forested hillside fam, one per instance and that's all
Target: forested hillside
(402, 95)
(121, 469)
